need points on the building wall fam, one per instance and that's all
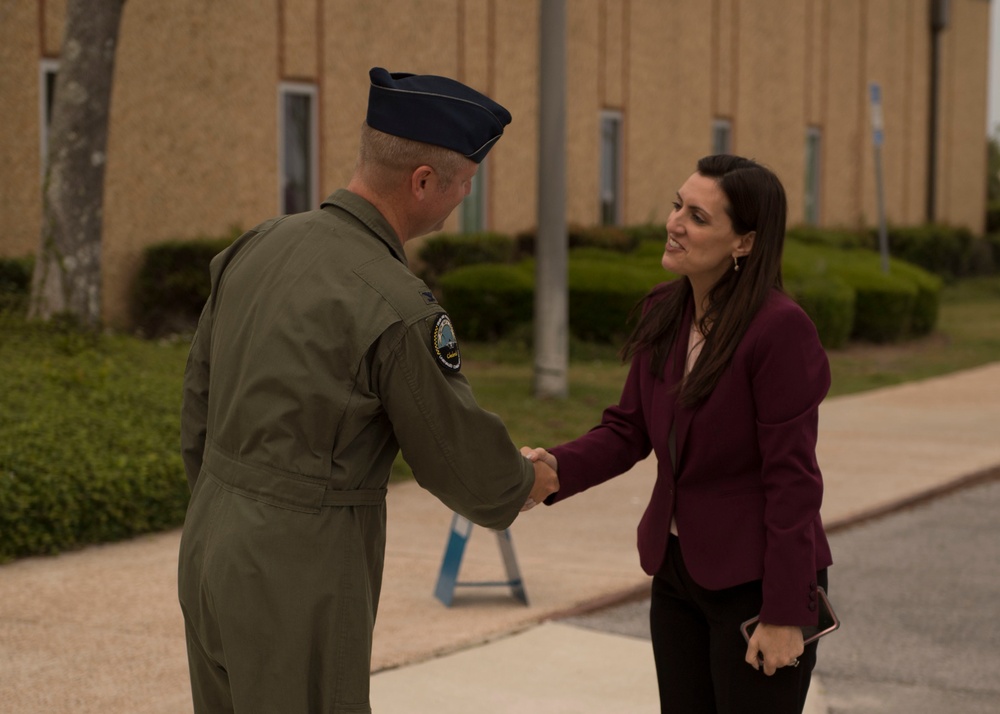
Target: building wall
(21, 50)
(193, 142)
(962, 157)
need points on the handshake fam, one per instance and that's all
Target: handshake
(546, 475)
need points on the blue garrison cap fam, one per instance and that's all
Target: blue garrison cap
(435, 110)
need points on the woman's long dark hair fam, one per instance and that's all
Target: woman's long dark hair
(755, 201)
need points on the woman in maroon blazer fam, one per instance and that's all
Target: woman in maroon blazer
(727, 374)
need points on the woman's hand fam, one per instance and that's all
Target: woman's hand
(774, 646)
(539, 454)
(542, 459)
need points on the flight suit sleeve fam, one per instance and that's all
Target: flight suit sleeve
(194, 409)
(458, 451)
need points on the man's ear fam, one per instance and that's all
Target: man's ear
(420, 180)
(745, 244)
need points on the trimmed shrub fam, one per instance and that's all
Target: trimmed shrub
(884, 304)
(949, 252)
(928, 299)
(444, 252)
(489, 300)
(647, 233)
(15, 282)
(173, 284)
(829, 301)
(993, 217)
(992, 241)
(611, 238)
(943, 250)
(843, 238)
(650, 252)
(826, 297)
(886, 307)
(88, 438)
(603, 290)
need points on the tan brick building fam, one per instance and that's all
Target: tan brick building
(226, 112)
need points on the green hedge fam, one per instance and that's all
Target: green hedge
(445, 252)
(489, 300)
(15, 282)
(489, 293)
(951, 253)
(843, 238)
(612, 238)
(928, 299)
(603, 290)
(827, 299)
(993, 216)
(946, 251)
(811, 278)
(88, 438)
(844, 292)
(887, 307)
(884, 304)
(172, 284)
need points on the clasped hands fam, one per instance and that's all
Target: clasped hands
(546, 475)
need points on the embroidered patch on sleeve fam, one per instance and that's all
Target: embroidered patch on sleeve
(446, 345)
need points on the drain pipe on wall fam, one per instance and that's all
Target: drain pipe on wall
(939, 22)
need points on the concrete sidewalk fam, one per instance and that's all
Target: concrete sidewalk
(100, 630)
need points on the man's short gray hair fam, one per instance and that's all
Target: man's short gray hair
(384, 159)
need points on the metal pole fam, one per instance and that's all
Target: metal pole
(883, 234)
(551, 327)
(878, 133)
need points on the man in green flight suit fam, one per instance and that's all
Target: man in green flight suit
(319, 356)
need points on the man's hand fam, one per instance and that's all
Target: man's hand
(546, 478)
(774, 646)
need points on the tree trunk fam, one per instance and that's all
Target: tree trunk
(67, 276)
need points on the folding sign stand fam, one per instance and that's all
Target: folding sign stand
(461, 529)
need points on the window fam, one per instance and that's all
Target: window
(813, 137)
(611, 161)
(47, 72)
(722, 136)
(297, 146)
(473, 212)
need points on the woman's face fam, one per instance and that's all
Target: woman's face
(701, 242)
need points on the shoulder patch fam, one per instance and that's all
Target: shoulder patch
(446, 344)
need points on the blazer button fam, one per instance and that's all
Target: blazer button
(812, 585)
(812, 606)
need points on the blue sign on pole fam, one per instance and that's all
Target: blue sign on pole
(876, 101)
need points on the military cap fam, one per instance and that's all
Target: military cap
(435, 110)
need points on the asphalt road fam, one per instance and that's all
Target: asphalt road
(918, 593)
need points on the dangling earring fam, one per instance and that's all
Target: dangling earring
(736, 265)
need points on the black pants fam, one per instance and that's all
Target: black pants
(700, 652)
